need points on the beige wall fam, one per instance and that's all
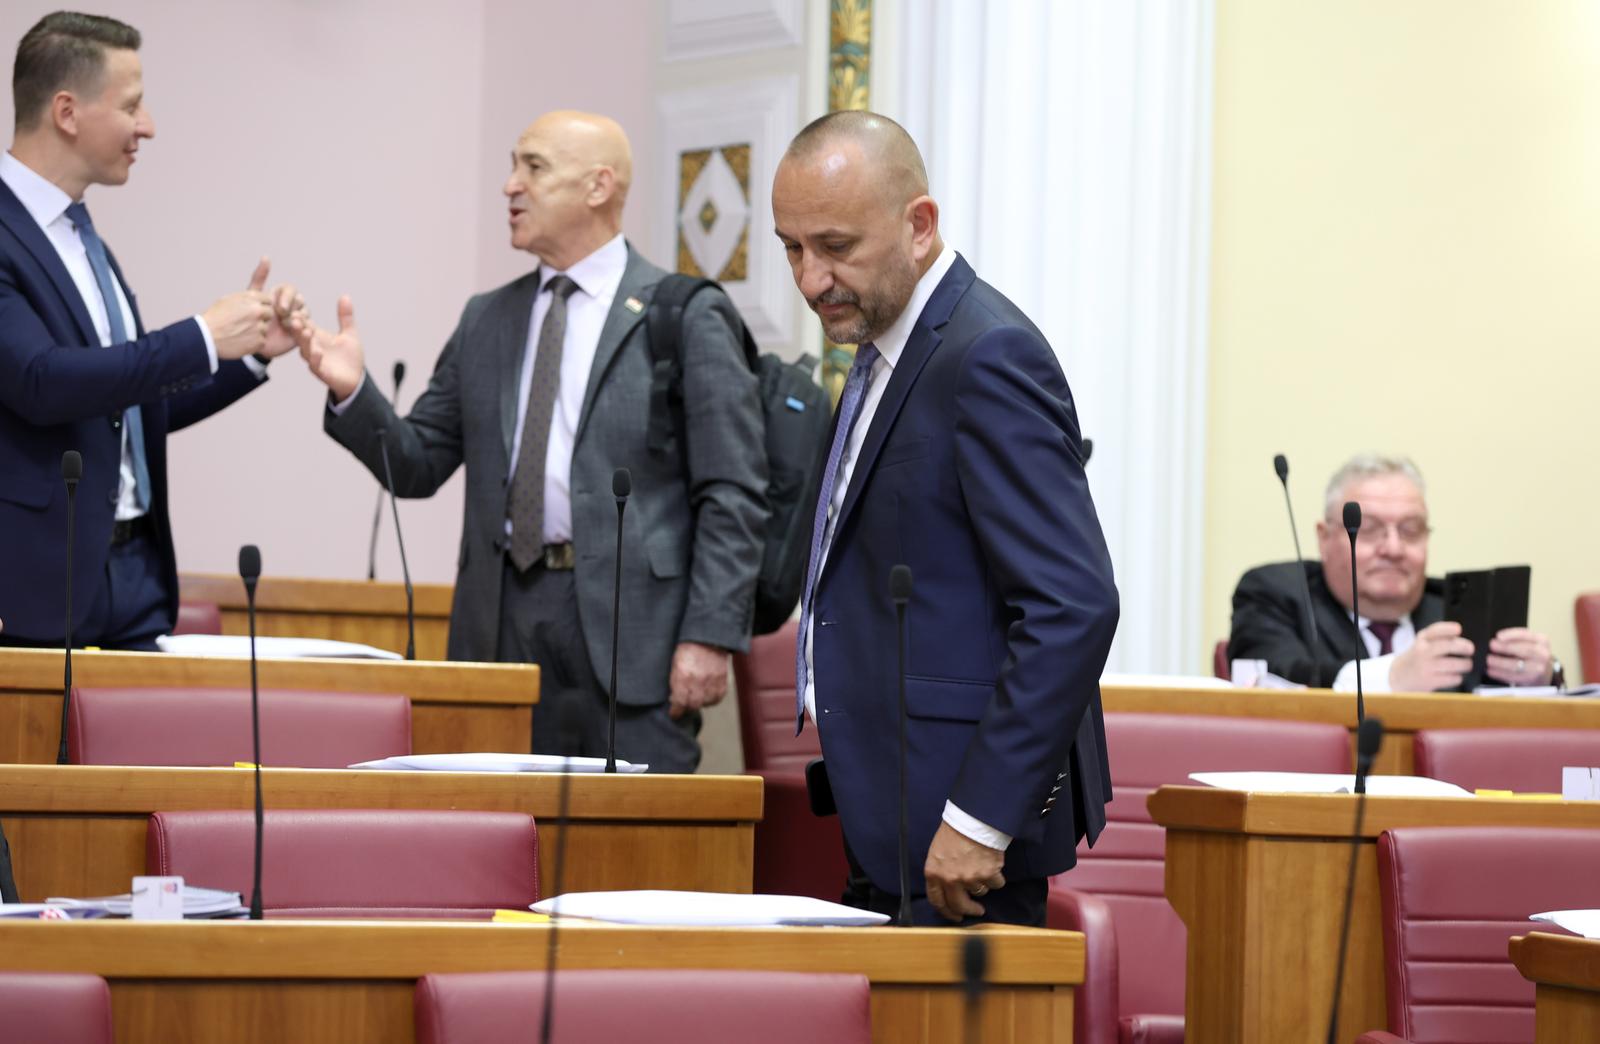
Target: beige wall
(1406, 257)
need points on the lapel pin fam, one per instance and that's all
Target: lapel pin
(634, 305)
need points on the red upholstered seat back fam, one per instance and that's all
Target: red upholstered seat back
(55, 1008)
(198, 618)
(764, 677)
(299, 729)
(357, 863)
(1127, 866)
(1587, 612)
(1527, 760)
(1221, 666)
(706, 1007)
(1452, 899)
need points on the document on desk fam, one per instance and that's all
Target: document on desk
(1548, 691)
(723, 909)
(1579, 922)
(1328, 783)
(237, 646)
(492, 762)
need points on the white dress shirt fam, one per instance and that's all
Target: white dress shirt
(889, 345)
(47, 205)
(1375, 669)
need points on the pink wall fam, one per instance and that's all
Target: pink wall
(362, 145)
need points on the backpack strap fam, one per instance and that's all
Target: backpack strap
(664, 320)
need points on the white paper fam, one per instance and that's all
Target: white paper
(237, 646)
(197, 902)
(1547, 691)
(1580, 784)
(157, 899)
(1163, 681)
(1253, 674)
(1579, 922)
(706, 908)
(491, 762)
(1328, 783)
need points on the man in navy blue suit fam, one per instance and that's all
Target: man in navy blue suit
(956, 452)
(78, 370)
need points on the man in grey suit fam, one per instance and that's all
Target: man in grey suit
(542, 392)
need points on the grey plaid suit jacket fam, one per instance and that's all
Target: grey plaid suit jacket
(692, 537)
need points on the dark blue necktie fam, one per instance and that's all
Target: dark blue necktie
(78, 214)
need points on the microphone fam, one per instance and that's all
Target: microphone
(1369, 737)
(1352, 526)
(900, 592)
(562, 825)
(71, 473)
(405, 571)
(621, 486)
(377, 509)
(974, 963)
(1280, 464)
(1088, 451)
(250, 572)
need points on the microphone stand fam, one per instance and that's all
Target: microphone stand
(1280, 464)
(1369, 737)
(250, 572)
(621, 486)
(405, 570)
(71, 472)
(377, 509)
(1352, 526)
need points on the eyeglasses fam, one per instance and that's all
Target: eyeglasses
(1373, 533)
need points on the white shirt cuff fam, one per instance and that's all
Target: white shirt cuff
(975, 829)
(338, 408)
(211, 346)
(255, 366)
(1374, 675)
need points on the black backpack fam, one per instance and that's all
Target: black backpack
(798, 420)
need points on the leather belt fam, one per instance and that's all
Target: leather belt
(558, 557)
(130, 529)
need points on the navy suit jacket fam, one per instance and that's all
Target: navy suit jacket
(971, 473)
(61, 390)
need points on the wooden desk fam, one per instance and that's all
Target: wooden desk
(371, 612)
(1402, 713)
(80, 829)
(454, 706)
(1259, 881)
(350, 982)
(1566, 972)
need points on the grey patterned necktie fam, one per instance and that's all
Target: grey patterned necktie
(525, 504)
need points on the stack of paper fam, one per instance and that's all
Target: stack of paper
(706, 908)
(197, 902)
(1579, 922)
(1536, 690)
(52, 911)
(1328, 783)
(487, 762)
(237, 646)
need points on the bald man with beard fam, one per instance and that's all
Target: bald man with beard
(542, 392)
(955, 452)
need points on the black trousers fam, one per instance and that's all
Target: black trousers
(539, 624)
(8, 886)
(1019, 902)
(131, 608)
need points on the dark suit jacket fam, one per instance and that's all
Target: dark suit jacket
(1269, 622)
(971, 474)
(692, 537)
(60, 390)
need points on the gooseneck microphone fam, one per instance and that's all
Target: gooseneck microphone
(1280, 464)
(900, 592)
(621, 486)
(563, 824)
(250, 572)
(1369, 737)
(71, 473)
(974, 965)
(1352, 526)
(405, 570)
(377, 509)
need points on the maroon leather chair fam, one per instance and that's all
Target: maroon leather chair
(1133, 987)
(299, 729)
(55, 1008)
(1505, 759)
(796, 853)
(380, 863)
(198, 618)
(1452, 899)
(1221, 666)
(1587, 613)
(669, 1007)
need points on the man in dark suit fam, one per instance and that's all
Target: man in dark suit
(542, 392)
(956, 452)
(1406, 645)
(78, 370)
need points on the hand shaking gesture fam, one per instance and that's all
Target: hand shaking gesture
(336, 359)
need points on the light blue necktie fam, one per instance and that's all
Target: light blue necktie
(855, 388)
(78, 214)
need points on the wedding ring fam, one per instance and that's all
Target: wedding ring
(1521, 666)
(980, 891)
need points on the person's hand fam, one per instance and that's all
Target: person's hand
(959, 872)
(1518, 656)
(241, 322)
(337, 360)
(699, 677)
(1439, 659)
(286, 305)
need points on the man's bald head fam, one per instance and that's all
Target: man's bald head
(569, 181)
(890, 159)
(591, 140)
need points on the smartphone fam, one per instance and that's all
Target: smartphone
(1485, 602)
(819, 790)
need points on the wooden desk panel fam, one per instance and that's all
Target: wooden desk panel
(80, 830)
(1259, 880)
(454, 706)
(351, 982)
(1403, 714)
(372, 612)
(1566, 973)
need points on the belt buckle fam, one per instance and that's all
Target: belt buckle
(559, 557)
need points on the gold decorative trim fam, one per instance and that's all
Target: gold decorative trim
(692, 165)
(849, 88)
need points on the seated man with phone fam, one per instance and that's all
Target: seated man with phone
(1420, 634)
